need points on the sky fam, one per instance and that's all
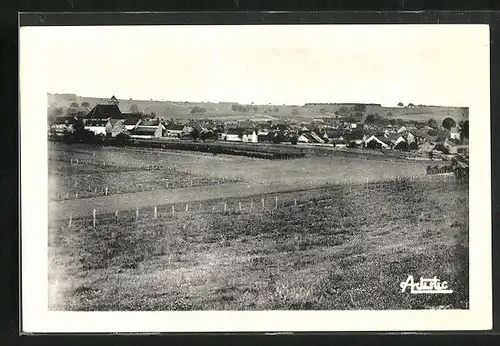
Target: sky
(387, 64)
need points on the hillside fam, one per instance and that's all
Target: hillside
(223, 110)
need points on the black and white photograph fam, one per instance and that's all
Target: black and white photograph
(266, 169)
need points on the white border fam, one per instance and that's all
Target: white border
(36, 318)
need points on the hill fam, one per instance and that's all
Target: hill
(61, 103)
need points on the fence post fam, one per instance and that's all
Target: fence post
(187, 207)
(77, 161)
(76, 194)
(90, 189)
(191, 183)
(199, 207)
(93, 214)
(173, 210)
(240, 207)
(225, 208)
(295, 201)
(213, 209)
(70, 220)
(116, 216)
(106, 191)
(276, 204)
(136, 213)
(251, 206)
(155, 213)
(263, 205)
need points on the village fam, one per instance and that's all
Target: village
(427, 139)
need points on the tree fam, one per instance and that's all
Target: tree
(464, 130)
(448, 123)
(360, 108)
(344, 111)
(134, 108)
(432, 123)
(322, 110)
(400, 104)
(255, 109)
(337, 113)
(411, 105)
(370, 119)
(198, 110)
(85, 104)
(295, 111)
(74, 105)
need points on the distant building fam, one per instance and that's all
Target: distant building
(132, 121)
(173, 130)
(113, 101)
(102, 112)
(151, 128)
(97, 126)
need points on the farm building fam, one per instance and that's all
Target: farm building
(396, 141)
(132, 121)
(97, 126)
(150, 128)
(100, 111)
(250, 136)
(173, 130)
(61, 126)
(308, 137)
(234, 135)
(373, 142)
(115, 127)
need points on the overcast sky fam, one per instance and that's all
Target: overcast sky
(432, 64)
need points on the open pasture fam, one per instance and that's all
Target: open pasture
(84, 172)
(347, 247)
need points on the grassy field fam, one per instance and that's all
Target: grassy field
(118, 170)
(344, 248)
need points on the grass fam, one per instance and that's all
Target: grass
(345, 248)
(112, 169)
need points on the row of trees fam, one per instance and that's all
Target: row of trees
(244, 108)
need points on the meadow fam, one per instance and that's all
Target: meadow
(344, 247)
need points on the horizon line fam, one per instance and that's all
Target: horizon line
(257, 104)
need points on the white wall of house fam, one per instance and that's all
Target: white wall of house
(254, 138)
(98, 130)
(173, 133)
(232, 138)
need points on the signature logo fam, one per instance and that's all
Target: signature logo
(427, 286)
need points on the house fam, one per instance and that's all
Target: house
(455, 133)
(132, 121)
(61, 126)
(317, 138)
(373, 142)
(97, 126)
(234, 134)
(149, 128)
(102, 112)
(115, 127)
(173, 130)
(396, 141)
(310, 137)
